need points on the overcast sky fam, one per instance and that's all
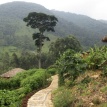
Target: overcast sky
(96, 9)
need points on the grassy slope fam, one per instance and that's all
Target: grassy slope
(90, 90)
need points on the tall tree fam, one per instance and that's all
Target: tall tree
(42, 22)
(62, 44)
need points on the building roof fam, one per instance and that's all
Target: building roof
(11, 73)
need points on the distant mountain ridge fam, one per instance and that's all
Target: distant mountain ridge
(103, 21)
(84, 22)
(88, 31)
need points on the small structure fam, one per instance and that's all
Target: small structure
(11, 73)
(104, 39)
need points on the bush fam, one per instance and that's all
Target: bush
(52, 71)
(104, 72)
(63, 98)
(86, 80)
(9, 99)
(35, 81)
(23, 83)
(15, 82)
(96, 58)
(70, 63)
(70, 83)
(4, 84)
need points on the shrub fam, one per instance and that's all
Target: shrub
(35, 81)
(22, 84)
(52, 71)
(70, 63)
(70, 83)
(104, 72)
(96, 58)
(63, 98)
(4, 84)
(9, 99)
(16, 80)
(86, 80)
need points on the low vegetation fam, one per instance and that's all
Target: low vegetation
(84, 78)
(63, 98)
(13, 90)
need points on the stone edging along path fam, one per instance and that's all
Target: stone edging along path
(43, 97)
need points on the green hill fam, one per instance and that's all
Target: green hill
(89, 31)
(13, 31)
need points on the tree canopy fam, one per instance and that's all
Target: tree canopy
(62, 44)
(42, 22)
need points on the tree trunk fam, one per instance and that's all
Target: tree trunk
(39, 60)
(40, 49)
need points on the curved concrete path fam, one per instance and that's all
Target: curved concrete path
(43, 97)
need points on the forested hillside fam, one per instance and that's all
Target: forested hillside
(14, 32)
(93, 30)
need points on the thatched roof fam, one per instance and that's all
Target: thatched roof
(11, 73)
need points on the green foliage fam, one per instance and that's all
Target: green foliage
(14, 60)
(86, 80)
(87, 30)
(20, 85)
(82, 87)
(104, 71)
(97, 57)
(70, 63)
(52, 70)
(5, 84)
(35, 81)
(9, 99)
(15, 81)
(63, 98)
(58, 47)
(42, 22)
(70, 83)
(13, 30)
(104, 89)
(26, 60)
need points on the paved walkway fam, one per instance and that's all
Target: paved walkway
(43, 97)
